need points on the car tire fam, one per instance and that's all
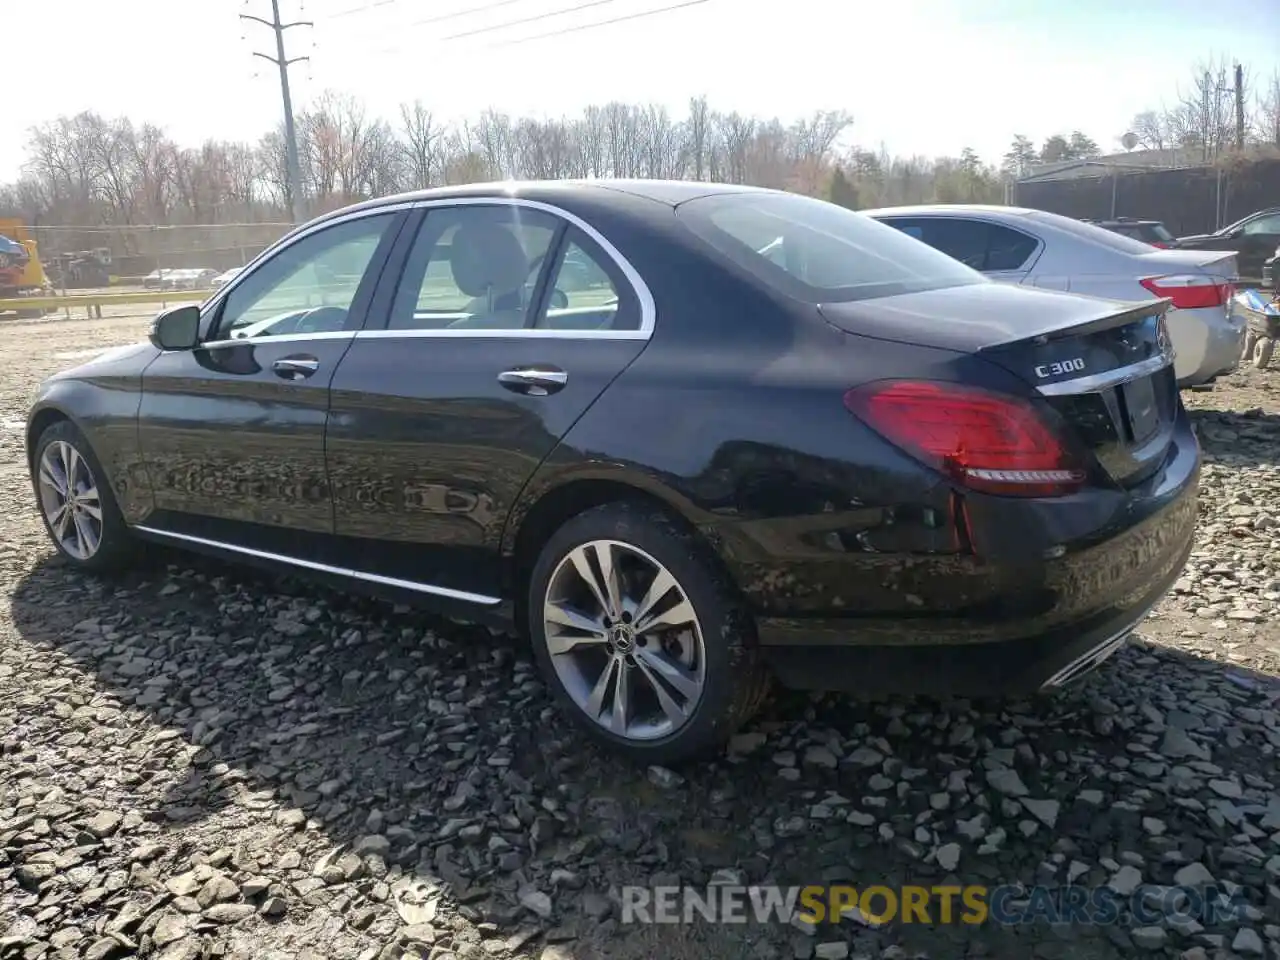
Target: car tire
(688, 685)
(62, 447)
(1262, 351)
(1249, 340)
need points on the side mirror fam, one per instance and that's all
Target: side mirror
(177, 328)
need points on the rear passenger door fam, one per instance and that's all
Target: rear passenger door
(1000, 252)
(497, 324)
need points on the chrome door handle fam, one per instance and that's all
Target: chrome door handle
(534, 381)
(295, 368)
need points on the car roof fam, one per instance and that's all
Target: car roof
(944, 209)
(667, 192)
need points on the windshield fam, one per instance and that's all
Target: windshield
(819, 252)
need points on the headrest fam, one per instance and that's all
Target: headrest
(487, 259)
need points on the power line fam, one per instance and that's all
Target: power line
(462, 13)
(533, 19)
(601, 23)
(436, 19)
(360, 9)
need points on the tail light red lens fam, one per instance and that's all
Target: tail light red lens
(1190, 292)
(982, 440)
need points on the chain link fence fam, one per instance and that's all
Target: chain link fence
(125, 255)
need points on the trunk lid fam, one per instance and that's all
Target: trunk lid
(1215, 263)
(1105, 367)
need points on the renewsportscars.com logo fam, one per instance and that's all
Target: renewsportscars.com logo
(876, 905)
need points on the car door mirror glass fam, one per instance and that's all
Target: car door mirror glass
(177, 328)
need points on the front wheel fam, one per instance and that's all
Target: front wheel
(642, 640)
(76, 503)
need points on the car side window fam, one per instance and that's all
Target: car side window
(1269, 224)
(587, 291)
(307, 287)
(963, 240)
(1008, 249)
(474, 267)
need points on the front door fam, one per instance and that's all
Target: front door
(1256, 245)
(506, 324)
(232, 432)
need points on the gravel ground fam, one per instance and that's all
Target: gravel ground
(196, 761)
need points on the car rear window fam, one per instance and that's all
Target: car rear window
(819, 252)
(1090, 232)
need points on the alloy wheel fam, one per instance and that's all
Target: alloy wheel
(624, 640)
(69, 499)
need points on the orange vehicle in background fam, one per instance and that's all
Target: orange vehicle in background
(21, 272)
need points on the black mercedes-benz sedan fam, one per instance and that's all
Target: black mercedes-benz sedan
(688, 438)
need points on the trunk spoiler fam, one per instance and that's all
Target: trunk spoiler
(1132, 313)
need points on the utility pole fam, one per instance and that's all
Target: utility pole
(290, 133)
(1239, 107)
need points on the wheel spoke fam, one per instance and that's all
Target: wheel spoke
(622, 698)
(605, 558)
(582, 563)
(592, 632)
(595, 701)
(63, 522)
(50, 478)
(85, 534)
(70, 466)
(91, 508)
(675, 675)
(659, 588)
(677, 615)
(672, 710)
(57, 520)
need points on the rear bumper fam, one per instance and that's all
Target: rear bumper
(1004, 668)
(1041, 597)
(1208, 342)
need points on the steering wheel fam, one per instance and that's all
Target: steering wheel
(320, 320)
(559, 300)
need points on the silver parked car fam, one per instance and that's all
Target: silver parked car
(1041, 249)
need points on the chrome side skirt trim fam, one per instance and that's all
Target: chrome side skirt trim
(426, 588)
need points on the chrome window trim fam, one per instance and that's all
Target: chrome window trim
(523, 333)
(644, 296)
(278, 338)
(447, 592)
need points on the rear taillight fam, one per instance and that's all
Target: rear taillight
(1189, 291)
(1160, 243)
(982, 440)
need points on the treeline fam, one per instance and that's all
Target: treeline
(1202, 119)
(90, 170)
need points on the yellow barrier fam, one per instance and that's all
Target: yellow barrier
(94, 302)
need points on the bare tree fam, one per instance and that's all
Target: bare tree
(422, 147)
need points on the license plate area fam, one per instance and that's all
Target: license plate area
(1141, 408)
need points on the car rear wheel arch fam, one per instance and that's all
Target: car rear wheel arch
(556, 507)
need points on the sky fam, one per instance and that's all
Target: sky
(923, 77)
